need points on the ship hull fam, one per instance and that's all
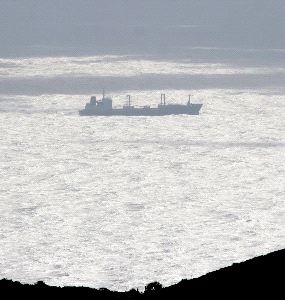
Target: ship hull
(192, 109)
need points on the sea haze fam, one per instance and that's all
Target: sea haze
(119, 202)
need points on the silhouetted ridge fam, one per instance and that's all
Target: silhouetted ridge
(259, 276)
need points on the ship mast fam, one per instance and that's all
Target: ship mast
(162, 99)
(189, 101)
(129, 100)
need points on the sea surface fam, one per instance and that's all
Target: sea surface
(119, 202)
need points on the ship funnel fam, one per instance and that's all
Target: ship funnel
(93, 100)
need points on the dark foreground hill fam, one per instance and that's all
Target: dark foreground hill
(261, 276)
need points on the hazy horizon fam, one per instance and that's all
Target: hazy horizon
(30, 27)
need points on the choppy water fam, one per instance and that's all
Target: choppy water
(119, 202)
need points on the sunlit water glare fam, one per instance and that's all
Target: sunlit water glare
(119, 202)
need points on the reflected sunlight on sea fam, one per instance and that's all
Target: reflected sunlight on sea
(118, 202)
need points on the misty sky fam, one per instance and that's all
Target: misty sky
(139, 26)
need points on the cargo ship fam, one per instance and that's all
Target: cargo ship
(104, 107)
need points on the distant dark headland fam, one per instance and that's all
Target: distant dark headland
(260, 276)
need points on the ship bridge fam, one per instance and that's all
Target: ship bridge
(102, 105)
